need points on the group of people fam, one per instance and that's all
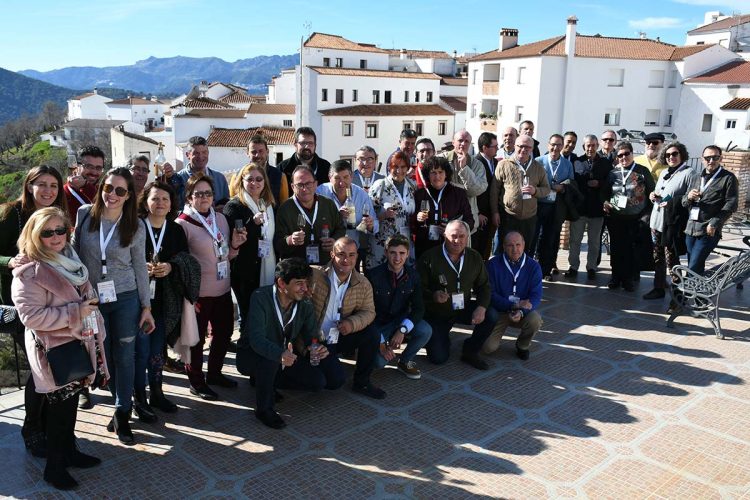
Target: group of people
(324, 260)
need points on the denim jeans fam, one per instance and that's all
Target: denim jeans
(698, 250)
(148, 355)
(416, 339)
(439, 345)
(121, 324)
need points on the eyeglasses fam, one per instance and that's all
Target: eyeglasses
(522, 147)
(140, 170)
(304, 185)
(89, 166)
(203, 194)
(49, 233)
(653, 143)
(119, 191)
(257, 180)
(306, 144)
(555, 144)
(365, 159)
(673, 154)
(711, 158)
(624, 155)
(608, 139)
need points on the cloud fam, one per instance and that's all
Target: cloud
(649, 23)
(738, 5)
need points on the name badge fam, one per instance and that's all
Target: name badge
(106, 291)
(621, 201)
(222, 270)
(695, 213)
(152, 288)
(552, 196)
(221, 249)
(457, 301)
(333, 336)
(434, 234)
(313, 254)
(264, 248)
(514, 300)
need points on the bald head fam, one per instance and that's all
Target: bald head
(524, 146)
(462, 141)
(513, 245)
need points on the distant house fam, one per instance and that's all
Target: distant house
(147, 112)
(731, 32)
(126, 144)
(90, 105)
(84, 129)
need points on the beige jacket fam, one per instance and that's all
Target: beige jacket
(506, 186)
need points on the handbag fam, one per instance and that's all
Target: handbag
(69, 362)
(9, 321)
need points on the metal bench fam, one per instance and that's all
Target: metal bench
(698, 295)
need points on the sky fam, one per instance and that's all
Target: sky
(45, 35)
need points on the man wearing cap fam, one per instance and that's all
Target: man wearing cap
(650, 158)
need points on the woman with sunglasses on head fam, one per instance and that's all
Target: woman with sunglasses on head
(213, 246)
(52, 293)
(668, 216)
(112, 244)
(627, 190)
(252, 210)
(42, 187)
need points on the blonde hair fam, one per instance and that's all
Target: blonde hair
(236, 187)
(30, 241)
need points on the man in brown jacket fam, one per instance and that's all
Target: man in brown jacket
(344, 311)
(519, 182)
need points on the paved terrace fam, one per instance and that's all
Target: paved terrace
(611, 404)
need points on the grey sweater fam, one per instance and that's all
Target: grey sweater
(676, 186)
(125, 266)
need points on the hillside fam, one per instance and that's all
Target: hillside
(20, 95)
(170, 75)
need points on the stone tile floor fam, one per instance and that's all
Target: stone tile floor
(612, 404)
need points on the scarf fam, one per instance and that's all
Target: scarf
(267, 230)
(70, 267)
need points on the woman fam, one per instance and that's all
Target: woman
(42, 187)
(446, 202)
(628, 188)
(112, 244)
(669, 217)
(157, 207)
(208, 239)
(50, 292)
(253, 209)
(393, 199)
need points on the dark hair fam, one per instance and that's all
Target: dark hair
(435, 163)
(624, 145)
(520, 125)
(300, 168)
(195, 179)
(558, 136)
(305, 131)
(131, 161)
(128, 225)
(196, 140)
(258, 139)
(485, 139)
(397, 240)
(92, 151)
(340, 166)
(157, 184)
(396, 157)
(293, 268)
(680, 148)
(712, 146)
(424, 140)
(26, 199)
(570, 132)
(408, 133)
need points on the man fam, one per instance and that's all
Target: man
(510, 134)
(468, 175)
(366, 159)
(197, 155)
(399, 308)
(302, 220)
(609, 138)
(280, 335)
(449, 273)
(425, 151)
(711, 199)
(570, 140)
(485, 160)
(138, 166)
(526, 127)
(305, 143)
(650, 157)
(257, 151)
(344, 309)
(516, 284)
(80, 188)
(591, 172)
(519, 182)
(548, 219)
(406, 143)
(178, 185)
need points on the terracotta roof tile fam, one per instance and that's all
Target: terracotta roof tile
(376, 73)
(202, 103)
(134, 101)
(270, 109)
(455, 103)
(526, 50)
(681, 53)
(238, 137)
(326, 41)
(214, 113)
(388, 110)
(139, 137)
(737, 71)
(721, 25)
(421, 54)
(232, 86)
(241, 97)
(738, 103)
(460, 82)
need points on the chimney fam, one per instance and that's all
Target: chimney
(455, 54)
(508, 38)
(96, 90)
(570, 36)
(642, 35)
(402, 54)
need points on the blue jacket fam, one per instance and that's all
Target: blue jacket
(399, 303)
(564, 172)
(528, 287)
(221, 187)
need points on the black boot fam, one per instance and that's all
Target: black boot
(159, 401)
(76, 458)
(84, 400)
(120, 424)
(36, 443)
(56, 474)
(142, 408)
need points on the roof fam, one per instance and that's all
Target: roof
(738, 103)
(91, 123)
(214, 113)
(737, 71)
(388, 110)
(721, 25)
(598, 46)
(421, 54)
(134, 101)
(376, 73)
(261, 108)
(239, 138)
(202, 103)
(326, 41)
(139, 137)
(241, 97)
(460, 82)
(232, 86)
(455, 103)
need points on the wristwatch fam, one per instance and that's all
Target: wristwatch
(402, 329)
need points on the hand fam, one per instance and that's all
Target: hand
(529, 190)
(607, 206)
(387, 352)
(440, 296)
(146, 322)
(322, 351)
(694, 195)
(592, 183)
(150, 269)
(18, 261)
(421, 216)
(168, 169)
(515, 315)
(653, 196)
(524, 304)
(390, 213)
(296, 239)
(396, 340)
(345, 326)
(496, 220)
(710, 230)
(462, 159)
(288, 357)
(482, 220)
(558, 188)
(326, 244)
(663, 204)
(77, 181)
(87, 307)
(369, 224)
(478, 316)
(344, 212)
(239, 236)
(259, 218)
(161, 269)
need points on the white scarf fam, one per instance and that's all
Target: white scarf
(267, 230)
(70, 267)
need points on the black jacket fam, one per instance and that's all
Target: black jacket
(394, 303)
(593, 197)
(319, 166)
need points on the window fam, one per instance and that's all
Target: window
(416, 96)
(355, 97)
(521, 75)
(612, 116)
(363, 64)
(324, 95)
(442, 128)
(519, 114)
(656, 79)
(376, 97)
(429, 96)
(339, 62)
(371, 130)
(707, 119)
(327, 62)
(339, 96)
(347, 129)
(674, 79)
(387, 97)
(473, 111)
(616, 77)
(406, 126)
(652, 118)
(474, 75)
(287, 123)
(419, 127)
(406, 96)
(668, 118)
(731, 124)
(700, 43)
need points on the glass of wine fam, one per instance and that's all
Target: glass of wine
(301, 222)
(424, 207)
(443, 281)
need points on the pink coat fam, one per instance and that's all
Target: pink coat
(47, 304)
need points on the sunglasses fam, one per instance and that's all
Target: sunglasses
(119, 191)
(653, 143)
(673, 154)
(253, 179)
(607, 139)
(712, 158)
(623, 155)
(49, 233)
(203, 194)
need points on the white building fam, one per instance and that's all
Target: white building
(147, 112)
(90, 105)
(128, 144)
(731, 32)
(422, 61)
(228, 147)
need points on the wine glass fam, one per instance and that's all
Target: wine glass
(301, 222)
(443, 281)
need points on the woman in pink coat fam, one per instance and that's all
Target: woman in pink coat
(54, 301)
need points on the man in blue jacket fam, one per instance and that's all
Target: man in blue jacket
(516, 284)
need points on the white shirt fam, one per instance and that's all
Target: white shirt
(335, 299)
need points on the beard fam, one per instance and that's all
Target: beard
(305, 155)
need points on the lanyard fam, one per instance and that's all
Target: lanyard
(154, 243)
(278, 312)
(213, 229)
(515, 276)
(457, 271)
(104, 242)
(524, 169)
(436, 203)
(401, 196)
(625, 177)
(304, 214)
(76, 195)
(554, 172)
(704, 184)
